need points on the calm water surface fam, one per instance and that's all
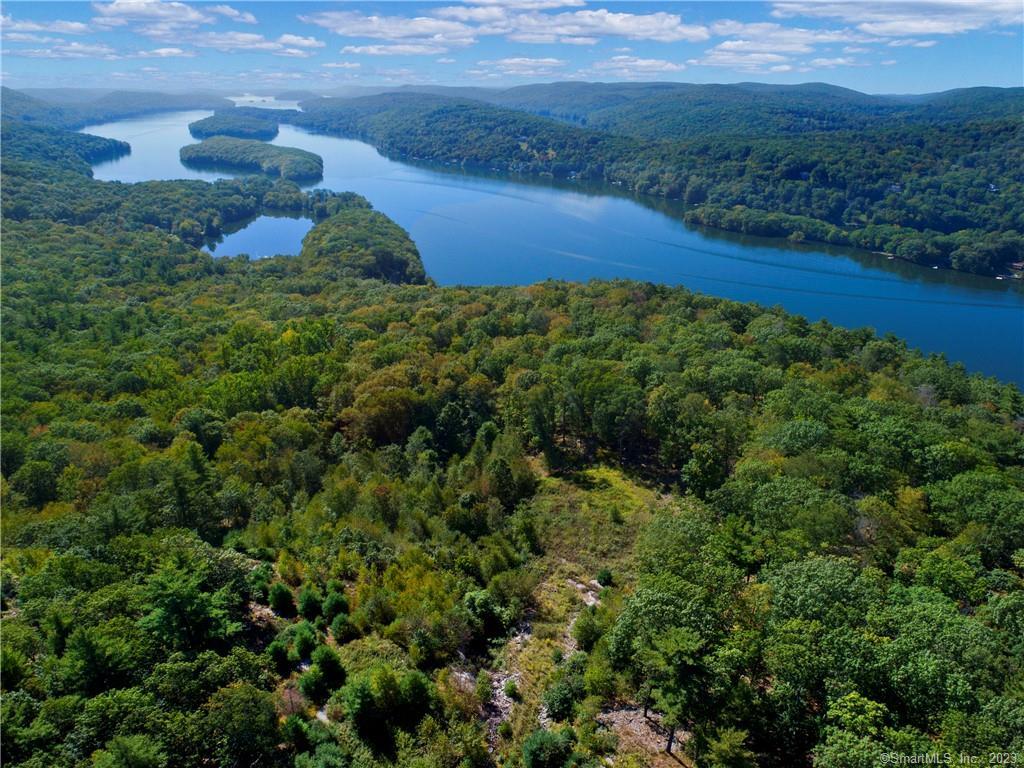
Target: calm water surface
(480, 230)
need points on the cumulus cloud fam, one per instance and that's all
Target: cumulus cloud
(764, 47)
(522, 22)
(9, 24)
(825, 63)
(399, 49)
(234, 42)
(744, 61)
(163, 12)
(909, 17)
(165, 53)
(913, 43)
(297, 41)
(631, 67)
(531, 5)
(522, 66)
(74, 50)
(30, 37)
(659, 27)
(419, 30)
(234, 14)
(343, 65)
(772, 37)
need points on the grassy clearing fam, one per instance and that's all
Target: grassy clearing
(586, 522)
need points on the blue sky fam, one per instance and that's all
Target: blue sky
(877, 47)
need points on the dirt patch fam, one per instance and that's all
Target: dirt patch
(500, 707)
(589, 592)
(643, 736)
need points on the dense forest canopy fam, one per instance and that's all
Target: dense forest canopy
(286, 513)
(690, 110)
(252, 155)
(240, 122)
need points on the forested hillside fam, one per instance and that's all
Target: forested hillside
(115, 105)
(689, 110)
(275, 513)
(945, 194)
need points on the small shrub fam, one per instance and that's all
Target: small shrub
(559, 700)
(343, 630)
(484, 691)
(512, 690)
(310, 602)
(547, 749)
(281, 600)
(334, 604)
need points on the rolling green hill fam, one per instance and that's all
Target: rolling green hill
(115, 105)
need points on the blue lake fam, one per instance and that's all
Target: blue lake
(475, 229)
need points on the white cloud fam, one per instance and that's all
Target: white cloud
(164, 53)
(297, 41)
(913, 43)
(234, 42)
(72, 50)
(739, 60)
(776, 38)
(234, 14)
(521, 22)
(762, 47)
(419, 30)
(8, 24)
(446, 60)
(825, 63)
(343, 65)
(400, 49)
(531, 5)
(229, 42)
(29, 37)
(905, 18)
(630, 67)
(478, 14)
(659, 27)
(889, 62)
(166, 12)
(522, 66)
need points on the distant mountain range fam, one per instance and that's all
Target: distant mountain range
(643, 110)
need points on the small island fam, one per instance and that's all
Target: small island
(241, 123)
(249, 155)
(360, 242)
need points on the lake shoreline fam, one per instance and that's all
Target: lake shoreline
(486, 228)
